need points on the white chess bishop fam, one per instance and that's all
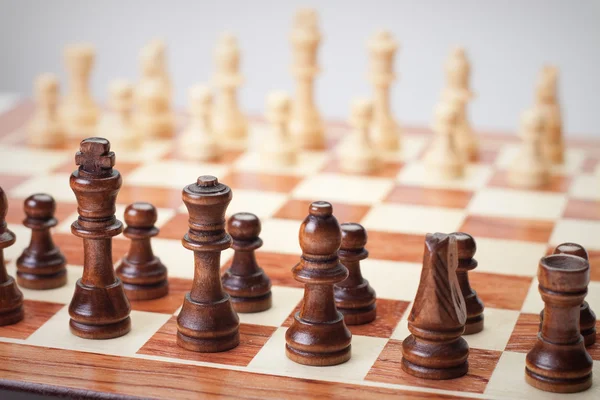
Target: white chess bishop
(443, 159)
(198, 141)
(530, 167)
(356, 153)
(278, 147)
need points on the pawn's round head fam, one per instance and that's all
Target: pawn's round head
(39, 206)
(573, 249)
(243, 226)
(278, 106)
(140, 215)
(466, 245)
(354, 236)
(320, 233)
(361, 110)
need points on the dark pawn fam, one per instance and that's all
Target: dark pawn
(466, 251)
(559, 362)
(42, 265)
(11, 298)
(318, 335)
(354, 297)
(435, 348)
(207, 322)
(246, 283)
(144, 276)
(587, 318)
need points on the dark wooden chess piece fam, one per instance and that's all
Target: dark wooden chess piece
(41, 265)
(354, 297)
(435, 348)
(559, 362)
(99, 308)
(466, 251)
(11, 298)
(143, 275)
(245, 282)
(587, 318)
(207, 322)
(318, 335)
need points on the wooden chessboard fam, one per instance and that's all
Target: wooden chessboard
(398, 205)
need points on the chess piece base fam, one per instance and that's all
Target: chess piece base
(11, 309)
(434, 373)
(42, 282)
(435, 360)
(252, 304)
(359, 316)
(474, 325)
(558, 385)
(139, 292)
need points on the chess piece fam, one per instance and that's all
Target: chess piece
(386, 131)
(354, 297)
(153, 64)
(143, 275)
(587, 318)
(318, 335)
(41, 265)
(458, 90)
(45, 128)
(79, 112)
(207, 322)
(278, 148)
(246, 283)
(466, 248)
(547, 100)
(435, 348)
(530, 168)
(117, 124)
(356, 153)
(198, 141)
(443, 160)
(229, 123)
(11, 298)
(559, 362)
(99, 308)
(153, 116)
(306, 125)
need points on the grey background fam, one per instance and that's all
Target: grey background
(507, 41)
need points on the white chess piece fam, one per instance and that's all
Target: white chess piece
(117, 124)
(230, 125)
(386, 131)
(356, 154)
(78, 110)
(278, 147)
(458, 90)
(198, 141)
(531, 168)
(45, 128)
(547, 101)
(306, 125)
(443, 160)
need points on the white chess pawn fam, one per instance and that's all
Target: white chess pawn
(198, 141)
(531, 168)
(153, 64)
(443, 160)
(278, 147)
(356, 154)
(229, 122)
(547, 101)
(45, 128)
(153, 116)
(117, 124)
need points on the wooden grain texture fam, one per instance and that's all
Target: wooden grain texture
(252, 338)
(123, 167)
(161, 197)
(500, 291)
(296, 209)
(481, 365)
(582, 209)
(277, 266)
(389, 314)
(261, 181)
(395, 246)
(387, 169)
(168, 304)
(525, 333)
(16, 117)
(447, 198)
(9, 181)
(228, 157)
(71, 246)
(36, 315)
(16, 215)
(75, 374)
(508, 228)
(557, 183)
(590, 164)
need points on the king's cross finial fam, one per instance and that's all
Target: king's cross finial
(94, 156)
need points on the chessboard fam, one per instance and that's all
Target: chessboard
(397, 205)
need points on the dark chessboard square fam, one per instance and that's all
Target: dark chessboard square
(395, 246)
(557, 184)
(261, 181)
(508, 228)
(417, 195)
(388, 169)
(500, 291)
(582, 209)
(36, 315)
(252, 338)
(277, 266)
(168, 304)
(388, 369)
(160, 197)
(298, 209)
